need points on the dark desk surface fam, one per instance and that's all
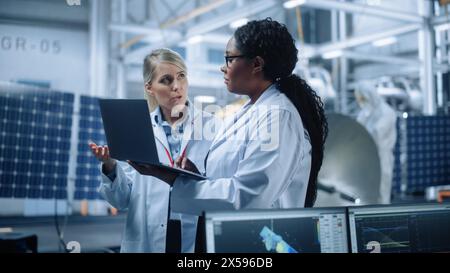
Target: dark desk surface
(94, 233)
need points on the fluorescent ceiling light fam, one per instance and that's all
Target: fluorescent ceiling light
(332, 54)
(374, 2)
(384, 42)
(195, 39)
(205, 99)
(293, 3)
(238, 23)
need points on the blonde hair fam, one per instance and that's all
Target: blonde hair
(151, 61)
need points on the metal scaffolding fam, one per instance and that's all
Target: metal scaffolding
(186, 20)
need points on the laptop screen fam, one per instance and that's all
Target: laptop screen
(403, 228)
(277, 231)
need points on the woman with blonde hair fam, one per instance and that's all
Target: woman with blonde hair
(146, 198)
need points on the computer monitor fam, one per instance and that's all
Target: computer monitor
(400, 228)
(277, 231)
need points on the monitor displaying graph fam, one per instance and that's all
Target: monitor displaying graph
(277, 231)
(403, 228)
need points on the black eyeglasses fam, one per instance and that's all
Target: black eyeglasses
(229, 59)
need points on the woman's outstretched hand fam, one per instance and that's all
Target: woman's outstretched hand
(102, 154)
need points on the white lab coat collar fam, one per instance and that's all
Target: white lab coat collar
(232, 123)
(159, 133)
(271, 90)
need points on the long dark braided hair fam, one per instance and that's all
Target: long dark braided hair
(272, 42)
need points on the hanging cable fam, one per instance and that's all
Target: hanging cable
(61, 242)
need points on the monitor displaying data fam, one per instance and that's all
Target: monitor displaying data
(277, 231)
(403, 228)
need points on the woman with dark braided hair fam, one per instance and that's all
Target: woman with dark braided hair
(270, 41)
(242, 171)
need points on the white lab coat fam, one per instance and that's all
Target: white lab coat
(146, 198)
(240, 173)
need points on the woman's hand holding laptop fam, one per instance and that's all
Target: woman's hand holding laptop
(147, 169)
(162, 174)
(186, 164)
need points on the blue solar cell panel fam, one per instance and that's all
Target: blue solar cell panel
(90, 128)
(6, 191)
(48, 194)
(31, 122)
(93, 194)
(427, 155)
(34, 193)
(20, 192)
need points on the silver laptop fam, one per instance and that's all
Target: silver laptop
(129, 133)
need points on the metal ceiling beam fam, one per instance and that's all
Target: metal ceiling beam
(381, 58)
(247, 10)
(194, 13)
(172, 11)
(439, 20)
(138, 54)
(134, 29)
(385, 70)
(365, 39)
(147, 33)
(252, 8)
(365, 10)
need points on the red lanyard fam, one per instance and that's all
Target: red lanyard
(172, 163)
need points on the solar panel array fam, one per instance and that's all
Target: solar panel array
(428, 152)
(34, 143)
(90, 128)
